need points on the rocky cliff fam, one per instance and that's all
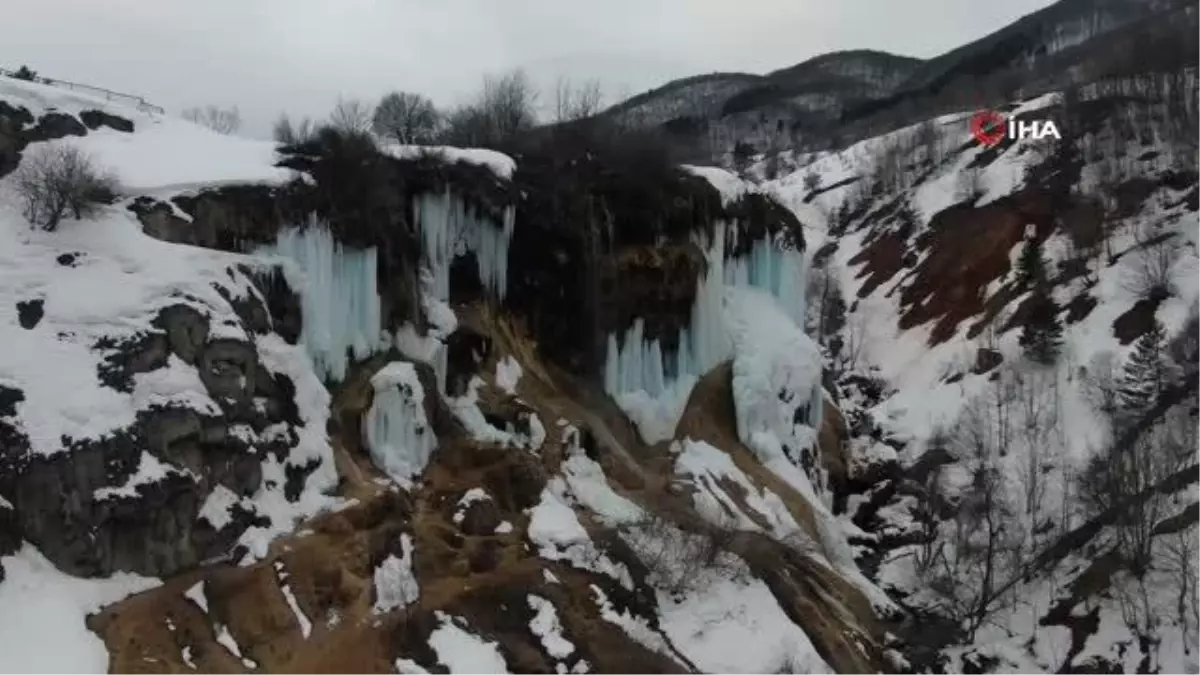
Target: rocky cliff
(362, 408)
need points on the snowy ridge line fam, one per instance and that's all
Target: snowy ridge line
(138, 102)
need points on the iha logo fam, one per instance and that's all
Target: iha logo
(990, 127)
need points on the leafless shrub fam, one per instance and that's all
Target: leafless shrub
(287, 132)
(221, 120)
(680, 562)
(1149, 275)
(57, 180)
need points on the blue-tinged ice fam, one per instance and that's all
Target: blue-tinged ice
(396, 430)
(652, 386)
(450, 228)
(339, 297)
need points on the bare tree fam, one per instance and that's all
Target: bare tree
(287, 132)
(510, 102)
(221, 120)
(351, 115)
(56, 180)
(506, 107)
(573, 102)
(1180, 554)
(969, 185)
(1039, 432)
(406, 117)
(927, 138)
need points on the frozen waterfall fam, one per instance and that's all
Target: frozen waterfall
(338, 296)
(340, 299)
(450, 228)
(652, 386)
(395, 430)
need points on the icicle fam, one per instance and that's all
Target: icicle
(770, 267)
(449, 228)
(650, 385)
(338, 296)
(395, 429)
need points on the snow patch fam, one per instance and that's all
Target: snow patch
(43, 615)
(464, 652)
(545, 625)
(396, 585)
(508, 373)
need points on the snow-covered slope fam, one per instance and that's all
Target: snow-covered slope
(921, 231)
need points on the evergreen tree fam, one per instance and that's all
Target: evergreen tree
(1041, 336)
(1031, 266)
(1144, 376)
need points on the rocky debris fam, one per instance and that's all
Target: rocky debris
(68, 259)
(30, 312)
(94, 119)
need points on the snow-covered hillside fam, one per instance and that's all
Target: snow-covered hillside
(921, 232)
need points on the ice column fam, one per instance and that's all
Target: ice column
(395, 430)
(449, 228)
(338, 295)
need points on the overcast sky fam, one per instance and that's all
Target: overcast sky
(267, 56)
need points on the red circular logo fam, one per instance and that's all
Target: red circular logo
(988, 127)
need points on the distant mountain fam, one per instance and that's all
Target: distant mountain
(1069, 41)
(759, 108)
(836, 98)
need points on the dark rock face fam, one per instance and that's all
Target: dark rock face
(94, 119)
(283, 305)
(186, 328)
(141, 353)
(12, 135)
(68, 259)
(79, 506)
(55, 125)
(30, 312)
(604, 237)
(11, 441)
(19, 128)
(466, 350)
(481, 518)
